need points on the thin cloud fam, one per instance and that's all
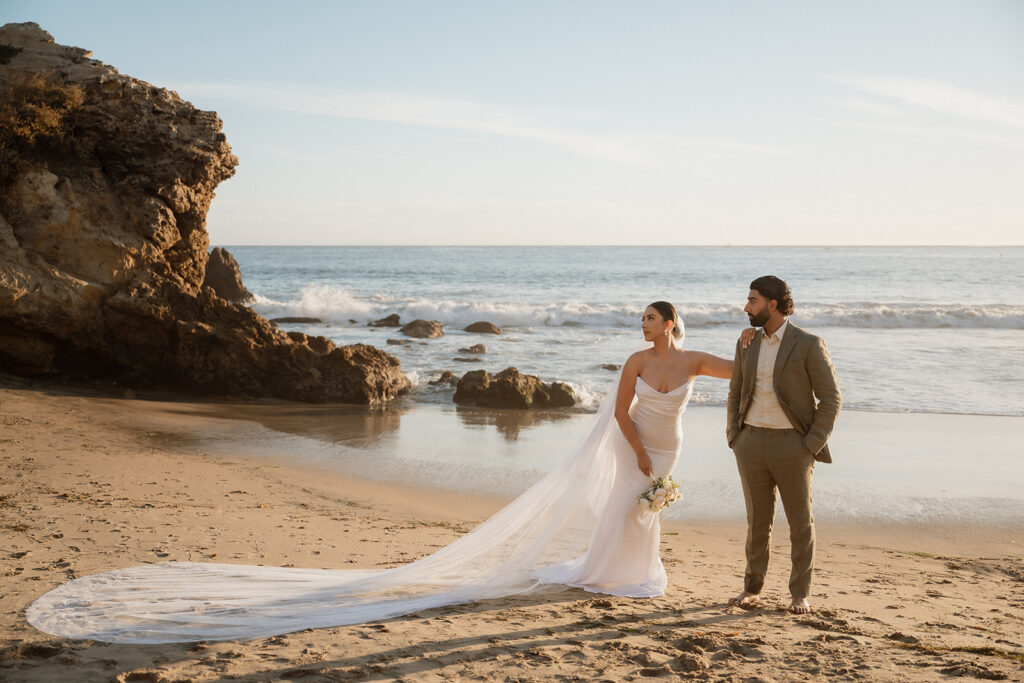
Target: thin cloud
(526, 123)
(865, 106)
(941, 132)
(941, 97)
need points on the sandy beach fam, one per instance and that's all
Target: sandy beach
(91, 482)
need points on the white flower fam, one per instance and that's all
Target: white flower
(662, 492)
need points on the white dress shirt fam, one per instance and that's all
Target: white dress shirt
(765, 410)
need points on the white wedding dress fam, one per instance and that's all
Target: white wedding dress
(580, 525)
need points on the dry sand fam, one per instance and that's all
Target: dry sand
(90, 483)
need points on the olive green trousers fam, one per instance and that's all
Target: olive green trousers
(771, 460)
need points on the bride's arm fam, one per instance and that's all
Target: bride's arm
(713, 366)
(627, 389)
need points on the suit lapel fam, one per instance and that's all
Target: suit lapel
(750, 365)
(786, 347)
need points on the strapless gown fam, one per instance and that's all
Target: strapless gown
(623, 555)
(579, 525)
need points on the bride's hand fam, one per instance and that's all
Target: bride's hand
(644, 463)
(747, 336)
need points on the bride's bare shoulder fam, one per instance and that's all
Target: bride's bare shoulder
(635, 361)
(693, 358)
(696, 356)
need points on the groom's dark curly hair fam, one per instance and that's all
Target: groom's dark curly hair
(771, 287)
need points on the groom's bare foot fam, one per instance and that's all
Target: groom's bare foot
(746, 600)
(800, 606)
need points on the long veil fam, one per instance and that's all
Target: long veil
(548, 524)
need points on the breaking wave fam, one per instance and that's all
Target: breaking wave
(339, 306)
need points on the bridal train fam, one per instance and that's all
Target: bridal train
(580, 525)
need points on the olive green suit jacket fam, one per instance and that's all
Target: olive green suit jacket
(803, 372)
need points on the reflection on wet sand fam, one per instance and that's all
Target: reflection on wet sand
(355, 425)
(337, 423)
(509, 422)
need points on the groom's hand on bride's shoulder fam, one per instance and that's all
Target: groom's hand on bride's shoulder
(747, 337)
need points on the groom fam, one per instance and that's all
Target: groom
(777, 431)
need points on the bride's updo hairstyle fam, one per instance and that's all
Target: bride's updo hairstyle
(668, 312)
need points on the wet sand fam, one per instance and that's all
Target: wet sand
(90, 483)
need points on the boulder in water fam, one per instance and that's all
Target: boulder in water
(296, 319)
(511, 389)
(447, 377)
(423, 329)
(482, 328)
(389, 321)
(225, 277)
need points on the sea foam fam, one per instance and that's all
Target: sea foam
(337, 305)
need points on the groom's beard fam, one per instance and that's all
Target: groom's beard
(760, 319)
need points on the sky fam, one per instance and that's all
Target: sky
(815, 122)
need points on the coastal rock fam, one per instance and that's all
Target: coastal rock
(482, 328)
(560, 395)
(295, 319)
(614, 367)
(423, 329)
(225, 277)
(468, 359)
(103, 243)
(389, 321)
(447, 377)
(511, 389)
(319, 345)
(475, 348)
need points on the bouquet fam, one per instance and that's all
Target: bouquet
(663, 492)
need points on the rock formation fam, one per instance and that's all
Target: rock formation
(105, 182)
(482, 328)
(225, 277)
(423, 329)
(475, 348)
(447, 377)
(297, 319)
(511, 389)
(390, 321)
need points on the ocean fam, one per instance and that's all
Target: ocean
(913, 329)
(928, 345)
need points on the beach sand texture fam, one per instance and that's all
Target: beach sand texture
(90, 483)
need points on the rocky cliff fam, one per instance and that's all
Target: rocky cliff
(105, 182)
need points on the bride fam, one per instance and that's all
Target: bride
(581, 525)
(653, 391)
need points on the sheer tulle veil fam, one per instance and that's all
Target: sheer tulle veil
(550, 523)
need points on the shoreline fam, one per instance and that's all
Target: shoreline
(890, 468)
(95, 483)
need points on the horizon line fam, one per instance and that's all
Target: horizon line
(726, 246)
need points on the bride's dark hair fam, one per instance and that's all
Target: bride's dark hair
(668, 312)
